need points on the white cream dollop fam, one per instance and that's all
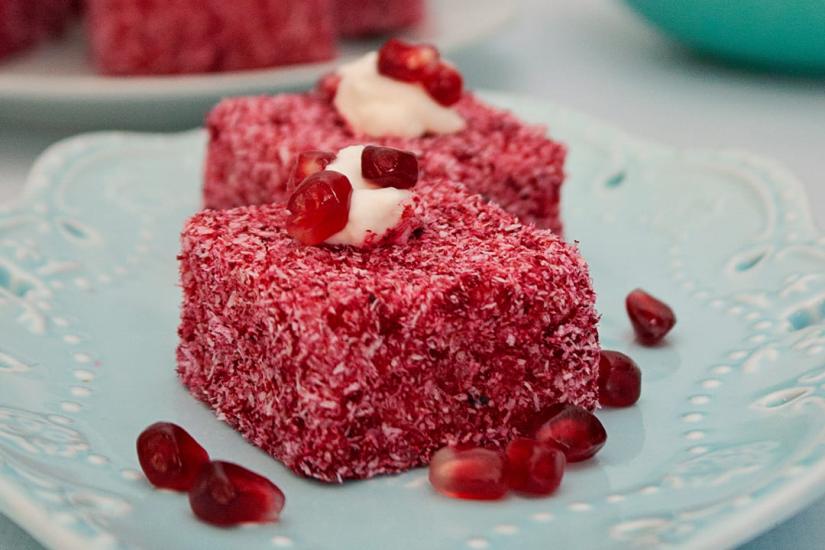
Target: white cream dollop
(377, 105)
(373, 209)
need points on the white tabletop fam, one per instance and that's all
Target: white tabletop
(595, 56)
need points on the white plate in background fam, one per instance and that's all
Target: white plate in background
(56, 85)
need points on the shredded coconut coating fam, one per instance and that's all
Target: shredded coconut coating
(367, 17)
(24, 23)
(254, 143)
(348, 363)
(136, 37)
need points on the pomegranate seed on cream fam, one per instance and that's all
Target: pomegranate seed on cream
(308, 163)
(319, 207)
(389, 167)
(377, 105)
(372, 212)
(445, 85)
(408, 62)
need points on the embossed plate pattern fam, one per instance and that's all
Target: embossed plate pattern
(728, 435)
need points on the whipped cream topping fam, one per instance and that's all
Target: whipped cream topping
(377, 105)
(373, 209)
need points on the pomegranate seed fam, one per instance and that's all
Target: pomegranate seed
(620, 380)
(169, 456)
(534, 467)
(308, 163)
(327, 87)
(407, 62)
(319, 207)
(389, 167)
(576, 431)
(652, 319)
(226, 494)
(474, 473)
(444, 84)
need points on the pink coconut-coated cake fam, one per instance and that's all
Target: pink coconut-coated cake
(24, 23)
(365, 17)
(135, 37)
(347, 363)
(254, 142)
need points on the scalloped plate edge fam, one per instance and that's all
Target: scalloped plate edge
(737, 528)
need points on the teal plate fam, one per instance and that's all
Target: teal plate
(727, 439)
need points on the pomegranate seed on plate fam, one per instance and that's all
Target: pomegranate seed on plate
(620, 380)
(319, 207)
(169, 456)
(444, 84)
(576, 431)
(475, 474)
(652, 319)
(389, 167)
(534, 467)
(407, 62)
(308, 163)
(226, 494)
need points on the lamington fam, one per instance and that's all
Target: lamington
(367, 17)
(150, 37)
(406, 97)
(346, 362)
(25, 23)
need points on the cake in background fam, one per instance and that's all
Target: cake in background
(158, 37)
(26, 23)
(254, 141)
(146, 37)
(366, 17)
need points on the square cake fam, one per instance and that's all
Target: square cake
(346, 363)
(24, 23)
(144, 37)
(254, 142)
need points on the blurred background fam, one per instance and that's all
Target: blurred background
(753, 80)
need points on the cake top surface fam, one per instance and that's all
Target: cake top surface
(310, 116)
(460, 240)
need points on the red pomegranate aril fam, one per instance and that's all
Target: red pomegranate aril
(226, 494)
(308, 163)
(319, 207)
(576, 431)
(444, 84)
(407, 62)
(169, 456)
(620, 379)
(327, 87)
(389, 167)
(652, 319)
(533, 467)
(468, 473)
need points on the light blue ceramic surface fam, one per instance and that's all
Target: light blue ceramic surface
(728, 437)
(784, 34)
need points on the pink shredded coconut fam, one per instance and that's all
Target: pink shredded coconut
(24, 23)
(348, 363)
(366, 17)
(254, 143)
(131, 37)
